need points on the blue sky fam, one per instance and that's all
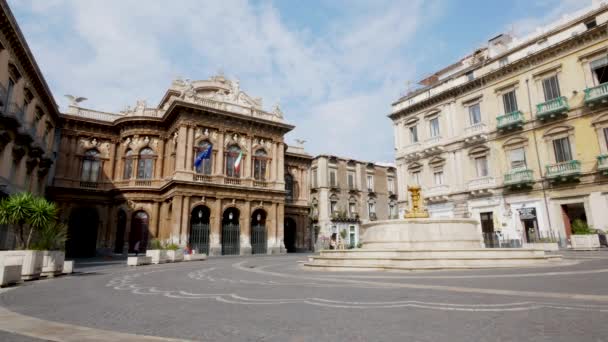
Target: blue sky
(335, 66)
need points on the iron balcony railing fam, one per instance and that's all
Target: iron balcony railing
(602, 163)
(552, 108)
(477, 128)
(510, 120)
(596, 94)
(564, 169)
(517, 177)
(17, 112)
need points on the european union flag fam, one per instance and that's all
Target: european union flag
(206, 154)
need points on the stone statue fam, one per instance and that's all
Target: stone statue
(416, 211)
(276, 110)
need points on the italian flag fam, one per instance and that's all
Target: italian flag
(237, 162)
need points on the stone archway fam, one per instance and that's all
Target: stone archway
(258, 232)
(82, 233)
(231, 232)
(199, 229)
(121, 225)
(139, 231)
(289, 234)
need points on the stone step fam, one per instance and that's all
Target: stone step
(367, 268)
(422, 262)
(437, 253)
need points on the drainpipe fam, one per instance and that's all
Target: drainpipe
(542, 182)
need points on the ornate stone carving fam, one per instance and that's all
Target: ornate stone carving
(92, 143)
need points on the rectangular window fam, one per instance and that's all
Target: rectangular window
(352, 209)
(606, 136)
(518, 158)
(510, 102)
(414, 134)
(591, 24)
(481, 165)
(370, 183)
(371, 207)
(470, 76)
(438, 177)
(333, 206)
(416, 178)
(599, 69)
(9, 91)
(314, 178)
(391, 211)
(474, 114)
(351, 180)
(332, 178)
(391, 185)
(434, 125)
(551, 88)
(562, 150)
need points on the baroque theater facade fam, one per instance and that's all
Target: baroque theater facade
(133, 176)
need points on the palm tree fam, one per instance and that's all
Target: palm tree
(26, 213)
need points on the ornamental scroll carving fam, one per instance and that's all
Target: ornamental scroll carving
(137, 142)
(85, 144)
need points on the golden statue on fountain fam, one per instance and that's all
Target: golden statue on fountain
(416, 211)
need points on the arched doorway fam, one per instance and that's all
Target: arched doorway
(121, 225)
(82, 232)
(231, 232)
(289, 235)
(139, 231)
(258, 232)
(199, 229)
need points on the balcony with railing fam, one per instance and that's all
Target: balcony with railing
(232, 181)
(520, 178)
(89, 185)
(260, 183)
(596, 95)
(475, 133)
(432, 146)
(481, 186)
(202, 178)
(437, 193)
(552, 109)
(17, 113)
(509, 121)
(565, 171)
(602, 164)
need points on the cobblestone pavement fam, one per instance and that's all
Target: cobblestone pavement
(272, 299)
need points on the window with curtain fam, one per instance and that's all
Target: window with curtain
(517, 158)
(599, 69)
(509, 101)
(206, 164)
(474, 114)
(391, 185)
(145, 164)
(434, 126)
(416, 178)
(332, 178)
(129, 160)
(551, 88)
(370, 183)
(260, 159)
(231, 156)
(333, 206)
(351, 180)
(288, 187)
(90, 166)
(562, 150)
(438, 177)
(481, 165)
(413, 134)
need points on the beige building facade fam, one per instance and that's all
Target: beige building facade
(28, 118)
(345, 193)
(514, 134)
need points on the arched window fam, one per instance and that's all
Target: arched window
(129, 159)
(90, 166)
(234, 161)
(288, 187)
(145, 164)
(260, 159)
(205, 166)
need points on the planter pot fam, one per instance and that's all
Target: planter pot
(195, 257)
(585, 242)
(10, 267)
(30, 260)
(52, 263)
(175, 256)
(542, 246)
(159, 256)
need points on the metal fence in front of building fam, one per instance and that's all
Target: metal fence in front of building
(517, 240)
(258, 239)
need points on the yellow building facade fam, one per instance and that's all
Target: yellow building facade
(514, 134)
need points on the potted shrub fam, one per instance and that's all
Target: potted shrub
(26, 214)
(583, 236)
(51, 241)
(157, 252)
(174, 252)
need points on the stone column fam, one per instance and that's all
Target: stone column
(163, 231)
(248, 164)
(215, 229)
(185, 225)
(273, 163)
(180, 153)
(245, 223)
(154, 221)
(219, 164)
(176, 213)
(281, 166)
(280, 230)
(125, 248)
(272, 224)
(74, 164)
(159, 167)
(63, 157)
(114, 159)
(190, 149)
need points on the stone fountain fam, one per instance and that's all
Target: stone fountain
(418, 242)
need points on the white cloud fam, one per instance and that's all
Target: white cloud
(336, 87)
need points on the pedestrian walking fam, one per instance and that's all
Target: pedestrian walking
(136, 248)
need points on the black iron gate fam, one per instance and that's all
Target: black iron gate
(230, 239)
(258, 239)
(199, 238)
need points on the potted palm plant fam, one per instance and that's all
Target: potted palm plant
(26, 214)
(157, 252)
(51, 240)
(583, 236)
(174, 252)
